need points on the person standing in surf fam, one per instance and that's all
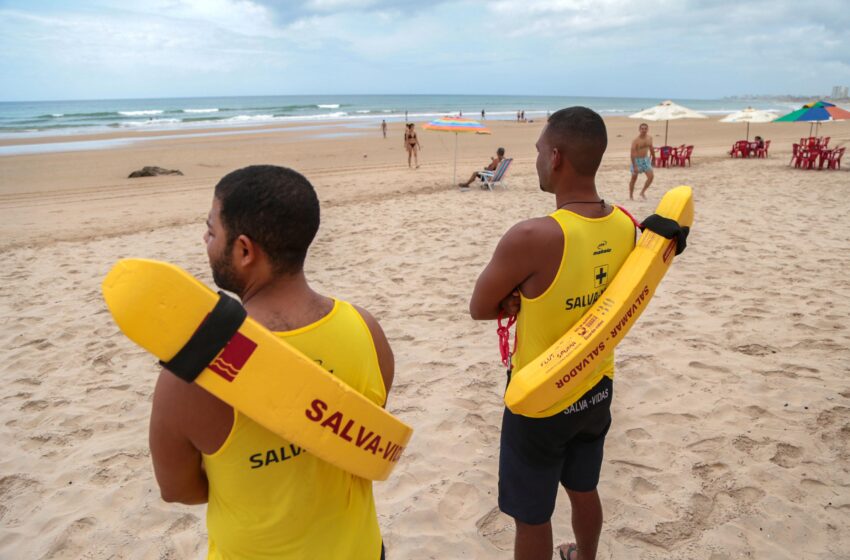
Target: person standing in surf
(267, 497)
(547, 271)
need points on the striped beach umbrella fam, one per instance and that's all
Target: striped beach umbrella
(816, 112)
(458, 125)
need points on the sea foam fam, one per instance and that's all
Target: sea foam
(140, 113)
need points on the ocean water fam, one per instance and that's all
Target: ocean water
(57, 118)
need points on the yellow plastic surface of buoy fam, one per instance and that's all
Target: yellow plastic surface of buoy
(564, 370)
(159, 306)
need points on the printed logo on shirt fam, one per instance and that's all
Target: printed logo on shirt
(602, 248)
(600, 275)
(278, 455)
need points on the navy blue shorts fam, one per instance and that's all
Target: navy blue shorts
(539, 453)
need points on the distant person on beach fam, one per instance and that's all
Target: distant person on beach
(384, 127)
(492, 166)
(405, 115)
(759, 142)
(411, 144)
(532, 272)
(522, 115)
(517, 116)
(482, 114)
(641, 158)
(267, 497)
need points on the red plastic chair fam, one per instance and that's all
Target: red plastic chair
(807, 158)
(795, 152)
(673, 157)
(762, 152)
(801, 155)
(685, 156)
(662, 159)
(834, 161)
(825, 142)
(739, 149)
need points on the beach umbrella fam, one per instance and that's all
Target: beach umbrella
(816, 113)
(667, 111)
(457, 125)
(750, 115)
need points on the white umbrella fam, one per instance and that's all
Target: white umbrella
(750, 115)
(667, 111)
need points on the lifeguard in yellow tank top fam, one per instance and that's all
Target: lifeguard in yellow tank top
(600, 245)
(269, 498)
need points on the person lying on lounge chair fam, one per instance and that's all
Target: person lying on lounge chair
(494, 164)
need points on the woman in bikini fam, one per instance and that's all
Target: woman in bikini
(411, 143)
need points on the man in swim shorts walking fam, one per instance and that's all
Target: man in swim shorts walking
(267, 497)
(548, 283)
(641, 160)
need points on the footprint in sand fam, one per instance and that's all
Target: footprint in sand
(74, 540)
(460, 502)
(707, 444)
(755, 350)
(184, 522)
(787, 455)
(497, 528)
(638, 434)
(709, 367)
(643, 487)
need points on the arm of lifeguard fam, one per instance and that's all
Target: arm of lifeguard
(176, 461)
(512, 263)
(386, 360)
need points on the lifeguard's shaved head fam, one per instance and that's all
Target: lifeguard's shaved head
(580, 136)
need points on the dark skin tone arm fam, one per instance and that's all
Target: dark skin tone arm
(525, 260)
(179, 412)
(386, 360)
(187, 421)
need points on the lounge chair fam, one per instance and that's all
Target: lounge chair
(493, 178)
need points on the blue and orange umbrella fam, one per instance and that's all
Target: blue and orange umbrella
(458, 125)
(817, 112)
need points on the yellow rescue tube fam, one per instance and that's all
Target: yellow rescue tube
(564, 370)
(160, 306)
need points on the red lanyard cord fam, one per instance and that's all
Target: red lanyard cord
(504, 332)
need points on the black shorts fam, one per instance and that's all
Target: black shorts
(538, 453)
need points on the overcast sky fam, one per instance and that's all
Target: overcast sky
(95, 49)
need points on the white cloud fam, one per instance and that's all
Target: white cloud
(598, 47)
(242, 17)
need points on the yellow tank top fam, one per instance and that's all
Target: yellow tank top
(594, 250)
(271, 499)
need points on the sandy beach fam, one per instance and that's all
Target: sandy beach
(731, 431)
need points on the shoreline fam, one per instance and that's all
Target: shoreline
(34, 188)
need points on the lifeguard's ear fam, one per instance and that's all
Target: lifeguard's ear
(557, 158)
(245, 251)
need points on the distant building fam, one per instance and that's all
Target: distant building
(839, 92)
